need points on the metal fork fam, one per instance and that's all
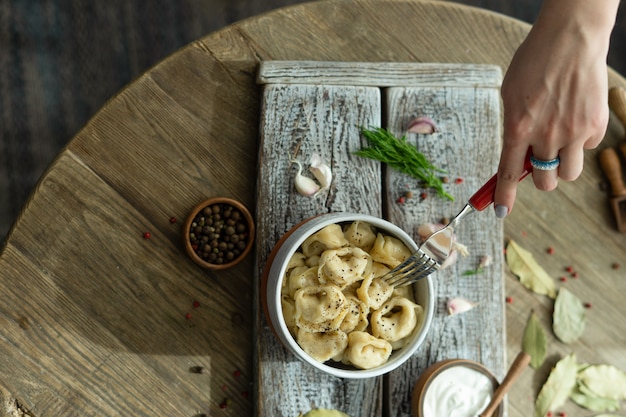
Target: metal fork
(436, 249)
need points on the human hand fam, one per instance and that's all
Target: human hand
(555, 96)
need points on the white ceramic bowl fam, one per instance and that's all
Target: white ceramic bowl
(275, 271)
(428, 379)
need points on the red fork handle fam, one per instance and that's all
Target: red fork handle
(484, 196)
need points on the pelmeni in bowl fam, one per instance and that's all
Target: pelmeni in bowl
(326, 302)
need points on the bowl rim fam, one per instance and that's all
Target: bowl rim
(208, 202)
(428, 376)
(294, 241)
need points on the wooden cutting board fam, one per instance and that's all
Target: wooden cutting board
(317, 107)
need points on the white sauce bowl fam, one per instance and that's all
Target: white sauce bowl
(452, 387)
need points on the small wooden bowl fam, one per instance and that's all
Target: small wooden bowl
(424, 382)
(246, 218)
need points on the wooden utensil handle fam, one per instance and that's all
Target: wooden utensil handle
(617, 103)
(517, 367)
(609, 161)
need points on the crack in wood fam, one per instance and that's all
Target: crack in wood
(22, 410)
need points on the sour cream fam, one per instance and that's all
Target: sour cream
(458, 391)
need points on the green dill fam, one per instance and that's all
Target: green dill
(402, 156)
(470, 272)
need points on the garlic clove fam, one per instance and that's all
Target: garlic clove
(485, 261)
(321, 171)
(422, 125)
(426, 229)
(459, 305)
(450, 260)
(461, 248)
(304, 185)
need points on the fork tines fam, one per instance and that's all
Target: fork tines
(417, 266)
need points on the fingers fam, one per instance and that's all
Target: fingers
(546, 179)
(570, 166)
(509, 171)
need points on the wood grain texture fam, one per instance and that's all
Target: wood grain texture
(297, 121)
(301, 119)
(189, 129)
(466, 144)
(377, 74)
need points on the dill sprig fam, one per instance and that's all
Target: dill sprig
(402, 156)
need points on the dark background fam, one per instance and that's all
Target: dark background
(60, 60)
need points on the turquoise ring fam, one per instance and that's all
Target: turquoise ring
(545, 165)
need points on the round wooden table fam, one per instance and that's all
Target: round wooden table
(96, 319)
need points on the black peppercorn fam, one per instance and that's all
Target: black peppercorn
(219, 233)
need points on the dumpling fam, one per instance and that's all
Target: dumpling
(365, 351)
(379, 270)
(344, 266)
(323, 346)
(357, 317)
(406, 291)
(301, 277)
(395, 320)
(361, 235)
(389, 251)
(330, 237)
(289, 311)
(312, 261)
(374, 292)
(297, 259)
(320, 309)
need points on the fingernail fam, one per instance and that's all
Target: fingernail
(501, 211)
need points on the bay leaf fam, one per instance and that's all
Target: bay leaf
(590, 401)
(557, 388)
(607, 415)
(568, 318)
(523, 264)
(605, 381)
(534, 341)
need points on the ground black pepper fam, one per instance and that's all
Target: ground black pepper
(219, 233)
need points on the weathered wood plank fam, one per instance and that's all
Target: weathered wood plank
(297, 121)
(466, 145)
(378, 74)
